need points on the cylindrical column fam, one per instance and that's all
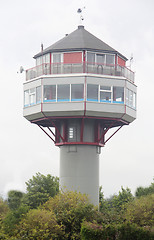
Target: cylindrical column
(79, 170)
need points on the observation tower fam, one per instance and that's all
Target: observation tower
(79, 89)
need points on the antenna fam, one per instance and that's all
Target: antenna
(131, 60)
(81, 16)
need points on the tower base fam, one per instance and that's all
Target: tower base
(79, 170)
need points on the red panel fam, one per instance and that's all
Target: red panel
(74, 57)
(121, 62)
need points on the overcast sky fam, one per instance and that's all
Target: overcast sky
(128, 26)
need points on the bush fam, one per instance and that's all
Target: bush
(91, 231)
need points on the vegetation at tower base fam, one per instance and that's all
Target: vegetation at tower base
(40, 188)
(70, 215)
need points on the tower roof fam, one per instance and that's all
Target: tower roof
(78, 40)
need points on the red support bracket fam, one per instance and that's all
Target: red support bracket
(113, 134)
(47, 134)
(57, 130)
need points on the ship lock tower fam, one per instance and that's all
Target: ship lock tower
(79, 89)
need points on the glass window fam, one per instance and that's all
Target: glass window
(105, 94)
(110, 59)
(49, 94)
(90, 57)
(63, 92)
(92, 92)
(77, 92)
(134, 100)
(38, 61)
(118, 94)
(32, 96)
(56, 57)
(38, 94)
(72, 133)
(26, 98)
(100, 58)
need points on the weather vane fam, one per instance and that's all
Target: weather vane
(80, 12)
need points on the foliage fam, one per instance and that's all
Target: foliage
(14, 199)
(91, 231)
(70, 209)
(113, 208)
(144, 191)
(39, 224)
(13, 218)
(40, 188)
(141, 210)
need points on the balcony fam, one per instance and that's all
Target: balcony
(61, 68)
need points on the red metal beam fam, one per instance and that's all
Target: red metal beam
(46, 133)
(113, 134)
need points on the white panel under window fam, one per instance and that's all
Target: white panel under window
(77, 92)
(63, 92)
(49, 93)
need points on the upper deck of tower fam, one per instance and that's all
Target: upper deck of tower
(80, 52)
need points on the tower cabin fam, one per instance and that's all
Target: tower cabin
(81, 87)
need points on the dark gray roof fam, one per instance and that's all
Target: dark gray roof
(80, 39)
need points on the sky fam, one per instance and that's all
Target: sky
(128, 26)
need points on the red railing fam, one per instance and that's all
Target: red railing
(61, 68)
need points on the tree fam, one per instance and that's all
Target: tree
(14, 199)
(144, 191)
(71, 208)
(140, 211)
(39, 224)
(40, 188)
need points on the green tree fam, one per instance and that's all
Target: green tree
(40, 188)
(14, 199)
(71, 208)
(144, 191)
(140, 211)
(39, 224)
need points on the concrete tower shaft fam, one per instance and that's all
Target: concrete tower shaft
(79, 170)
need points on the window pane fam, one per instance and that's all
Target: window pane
(134, 100)
(130, 98)
(49, 93)
(91, 57)
(110, 59)
(32, 95)
(92, 92)
(38, 94)
(57, 58)
(26, 98)
(106, 88)
(63, 92)
(105, 96)
(100, 58)
(77, 92)
(72, 134)
(118, 94)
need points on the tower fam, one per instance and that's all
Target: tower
(79, 89)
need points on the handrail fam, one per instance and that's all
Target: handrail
(67, 68)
